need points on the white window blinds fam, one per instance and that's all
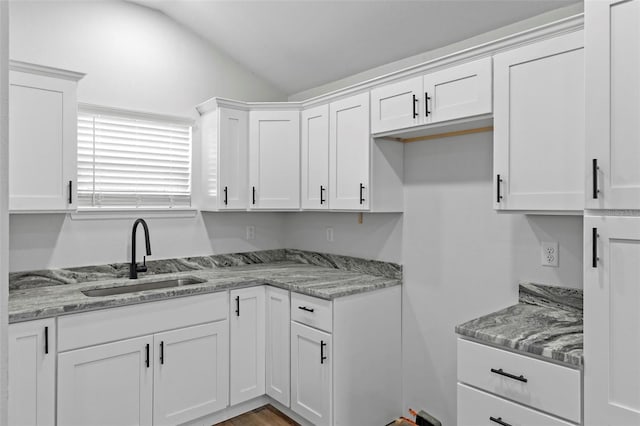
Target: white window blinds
(128, 162)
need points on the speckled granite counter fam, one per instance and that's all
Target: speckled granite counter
(42, 294)
(547, 322)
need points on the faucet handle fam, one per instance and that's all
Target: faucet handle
(142, 268)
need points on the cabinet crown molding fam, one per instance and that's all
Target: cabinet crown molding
(45, 70)
(215, 103)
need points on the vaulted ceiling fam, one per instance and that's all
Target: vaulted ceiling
(297, 45)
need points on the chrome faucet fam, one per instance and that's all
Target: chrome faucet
(133, 266)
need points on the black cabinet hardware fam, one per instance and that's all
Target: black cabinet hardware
(226, 193)
(426, 104)
(499, 196)
(361, 194)
(46, 340)
(162, 352)
(70, 200)
(322, 357)
(322, 200)
(594, 248)
(595, 178)
(304, 308)
(238, 306)
(415, 101)
(147, 358)
(254, 195)
(519, 378)
(499, 421)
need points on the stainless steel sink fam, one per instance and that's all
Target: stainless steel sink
(132, 288)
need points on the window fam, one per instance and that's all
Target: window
(128, 160)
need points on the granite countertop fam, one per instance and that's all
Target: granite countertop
(43, 294)
(547, 322)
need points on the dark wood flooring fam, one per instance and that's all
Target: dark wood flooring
(263, 416)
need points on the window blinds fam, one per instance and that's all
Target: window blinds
(127, 162)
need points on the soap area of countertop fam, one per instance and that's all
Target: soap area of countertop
(314, 274)
(547, 322)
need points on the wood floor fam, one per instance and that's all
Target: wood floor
(263, 416)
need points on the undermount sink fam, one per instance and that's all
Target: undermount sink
(132, 288)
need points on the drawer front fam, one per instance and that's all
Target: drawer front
(108, 325)
(477, 408)
(312, 311)
(548, 387)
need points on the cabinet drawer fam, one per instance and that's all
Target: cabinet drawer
(477, 408)
(312, 311)
(548, 387)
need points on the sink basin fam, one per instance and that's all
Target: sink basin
(132, 288)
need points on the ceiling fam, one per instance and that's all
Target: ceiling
(297, 45)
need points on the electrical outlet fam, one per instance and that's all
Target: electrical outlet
(330, 234)
(550, 253)
(251, 232)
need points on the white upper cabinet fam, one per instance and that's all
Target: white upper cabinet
(315, 158)
(42, 138)
(458, 92)
(274, 159)
(613, 104)
(349, 153)
(539, 124)
(452, 93)
(397, 105)
(224, 158)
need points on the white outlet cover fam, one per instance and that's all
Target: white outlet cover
(330, 234)
(549, 253)
(251, 232)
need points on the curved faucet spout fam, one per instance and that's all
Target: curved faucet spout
(133, 266)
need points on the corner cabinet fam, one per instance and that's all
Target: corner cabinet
(224, 156)
(539, 124)
(613, 104)
(274, 159)
(43, 138)
(32, 373)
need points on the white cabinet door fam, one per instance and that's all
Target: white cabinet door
(42, 143)
(311, 357)
(612, 321)
(349, 153)
(397, 105)
(108, 384)
(539, 126)
(274, 159)
(190, 373)
(613, 104)
(234, 144)
(278, 367)
(315, 158)
(32, 372)
(458, 92)
(247, 339)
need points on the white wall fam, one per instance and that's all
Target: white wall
(138, 59)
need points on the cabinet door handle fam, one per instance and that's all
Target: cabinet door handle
(594, 170)
(361, 194)
(415, 101)
(519, 378)
(322, 200)
(426, 104)
(238, 306)
(594, 248)
(70, 199)
(254, 195)
(162, 353)
(304, 308)
(226, 190)
(322, 357)
(147, 358)
(499, 196)
(499, 421)
(46, 340)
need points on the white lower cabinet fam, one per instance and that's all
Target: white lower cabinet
(247, 342)
(278, 372)
(311, 390)
(190, 373)
(32, 369)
